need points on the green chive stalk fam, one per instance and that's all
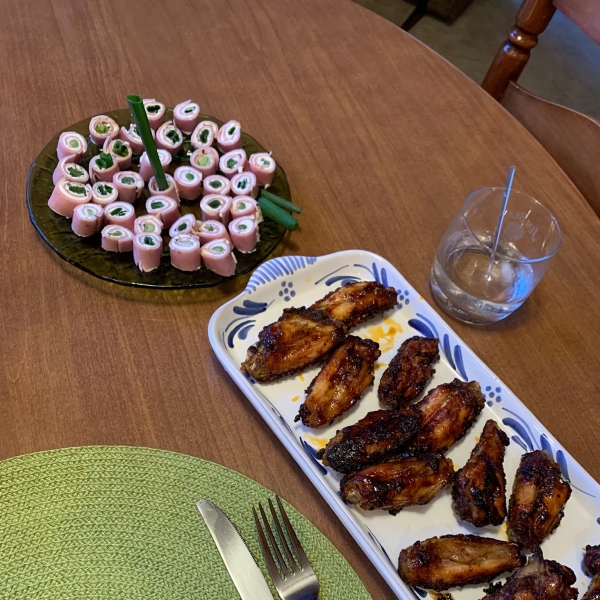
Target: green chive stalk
(138, 112)
(281, 202)
(271, 210)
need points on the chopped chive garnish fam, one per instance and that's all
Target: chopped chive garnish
(189, 109)
(189, 176)
(243, 227)
(231, 130)
(102, 128)
(272, 211)
(148, 241)
(90, 212)
(231, 163)
(118, 212)
(265, 162)
(149, 227)
(182, 227)
(153, 108)
(203, 137)
(157, 204)
(204, 160)
(215, 184)
(242, 206)
(242, 183)
(74, 171)
(127, 180)
(210, 228)
(77, 189)
(116, 233)
(73, 143)
(104, 189)
(173, 136)
(136, 106)
(214, 203)
(120, 148)
(105, 161)
(218, 248)
(281, 202)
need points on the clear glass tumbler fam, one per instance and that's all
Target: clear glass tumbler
(474, 286)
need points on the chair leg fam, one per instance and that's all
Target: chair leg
(416, 15)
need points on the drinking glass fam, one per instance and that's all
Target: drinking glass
(476, 285)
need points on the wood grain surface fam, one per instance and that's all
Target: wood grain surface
(381, 140)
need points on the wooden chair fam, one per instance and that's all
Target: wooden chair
(570, 137)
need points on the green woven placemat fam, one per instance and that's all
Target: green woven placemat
(120, 523)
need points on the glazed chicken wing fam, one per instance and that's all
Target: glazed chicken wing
(591, 565)
(479, 490)
(298, 340)
(539, 579)
(447, 413)
(340, 383)
(408, 372)
(402, 481)
(379, 435)
(537, 503)
(449, 561)
(357, 301)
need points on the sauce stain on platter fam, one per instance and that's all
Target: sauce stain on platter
(320, 442)
(385, 338)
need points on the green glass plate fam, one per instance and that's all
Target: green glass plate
(87, 253)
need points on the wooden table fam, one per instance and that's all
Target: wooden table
(381, 140)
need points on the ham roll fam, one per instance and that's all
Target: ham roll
(71, 143)
(129, 185)
(171, 191)
(148, 224)
(67, 195)
(209, 231)
(216, 207)
(186, 116)
(185, 252)
(204, 134)
(155, 112)
(132, 137)
(216, 184)
(205, 160)
(244, 206)
(263, 165)
(147, 251)
(104, 193)
(117, 239)
(146, 168)
(102, 167)
(185, 224)
(233, 162)
(67, 169)
(87, 219)
(188, 182)
(218, 257)
(103, 128)
(120, 213)
(163, 207)
(169, 138)
(230, 136)
(244, 233)
(121, 152)
(244, 184)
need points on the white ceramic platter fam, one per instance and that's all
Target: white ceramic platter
(299, 281)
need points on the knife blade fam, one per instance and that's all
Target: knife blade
(243, 570)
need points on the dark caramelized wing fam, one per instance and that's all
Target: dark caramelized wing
(538, 499)
(593, 592)
(357, 301)
(447, 413)
(449, 561)
(591, 560)
(298, 340)
(401, 481)
(479, 491)
(539, 579)
(379, 435)
(340, 383)
(408, 372)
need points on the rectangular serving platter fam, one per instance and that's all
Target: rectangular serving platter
(294, 281)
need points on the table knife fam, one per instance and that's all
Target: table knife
(243, 570)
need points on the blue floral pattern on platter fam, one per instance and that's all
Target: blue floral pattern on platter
(297, 281)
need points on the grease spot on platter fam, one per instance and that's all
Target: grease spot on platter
(316, 441)
(385, 334)
(301, 377)
(379, 366)
(295, 398)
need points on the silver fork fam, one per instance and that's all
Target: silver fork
(294, 580)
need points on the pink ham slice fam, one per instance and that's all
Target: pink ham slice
(186, 116)
(67, 169)
(244, 206)
(216, 207)
(188, 182)
(205, 160)
(244, 233)
(169, 138)
(148, 224)
(67, 195)
(263, 165)
(185, 224)
(204, 134)
(244, 184)
(147, 251)
(133, 139)
(146, 171)
(230, 136)
(233, 162)
(104, 193)
(99, 174)
(216, 184)
(120, 213)
(163, 207)
(185, 252)
(71, 143)
(103, 128)
(209, 231)
(87, 219)
(129, 185)
(117, 148)
(117, 239)
(155, 112)
(218, 257)
(171, 191)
